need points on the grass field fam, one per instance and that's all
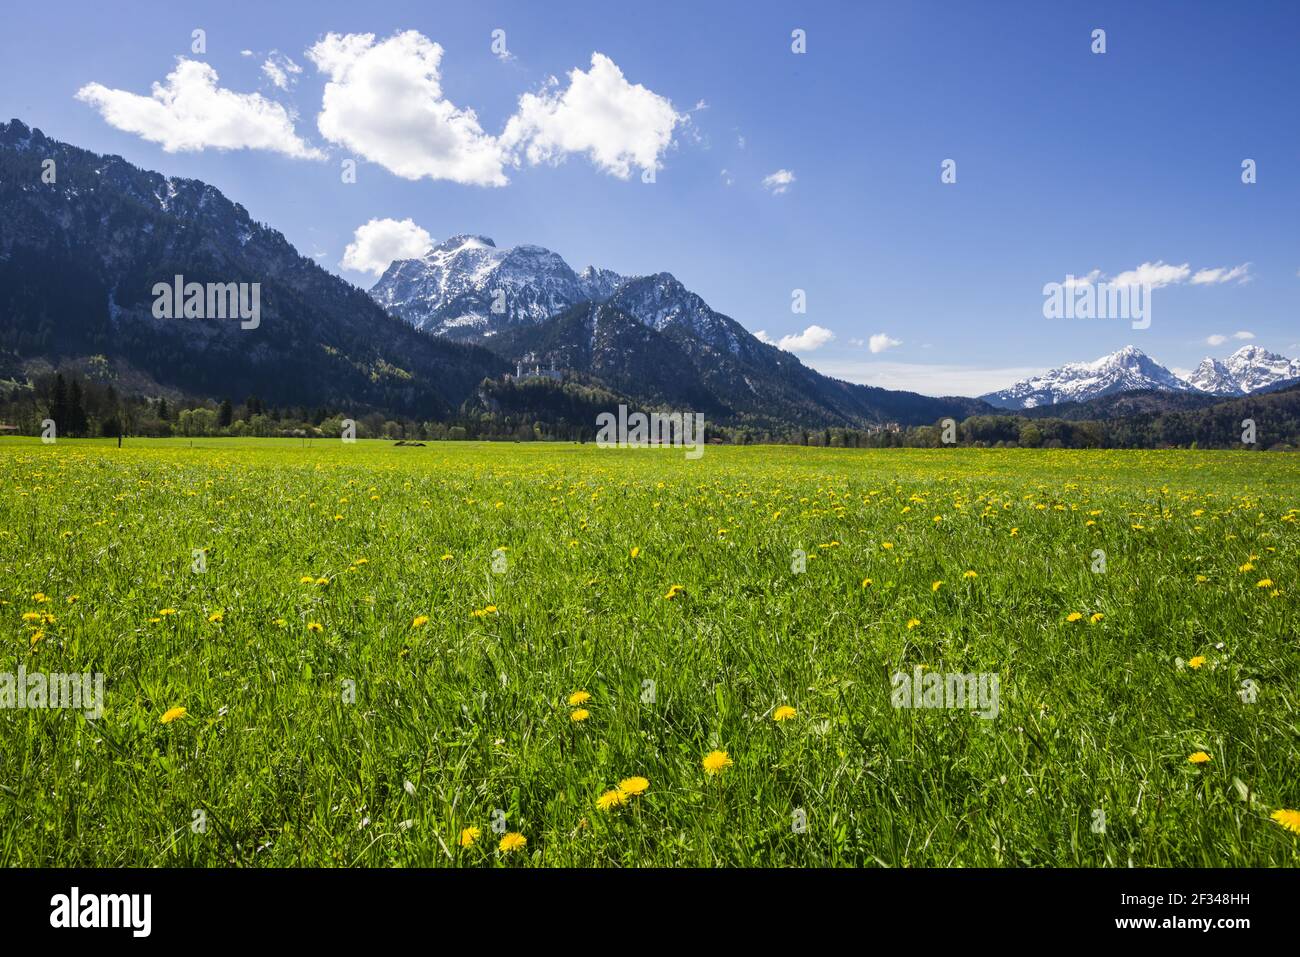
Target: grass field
(380, 648)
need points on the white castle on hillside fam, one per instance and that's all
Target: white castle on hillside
(537, 372)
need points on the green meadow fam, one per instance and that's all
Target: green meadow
(464, 654)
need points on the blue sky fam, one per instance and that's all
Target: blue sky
(1067, 161)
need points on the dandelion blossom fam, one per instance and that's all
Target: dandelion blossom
(514, 841)
(611, 799)
(578, 697)
(783, 713)
(1288, 819)
(715, 762)
(633, 786)
(469, 836)
(171, 714)
(912, 623)
(419, 621)
(1196, 662)
(580, 714)
(1198, 757)
(1074, 616)
(315, 626)
(673, 592)
(1096, 617)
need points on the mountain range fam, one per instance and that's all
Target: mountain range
(80, 256)
(1248, 370)
(437, 337)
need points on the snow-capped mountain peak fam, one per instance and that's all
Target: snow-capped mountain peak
(1249, 369)
(468, 287)
(1121, 371)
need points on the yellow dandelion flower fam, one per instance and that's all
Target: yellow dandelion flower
(636, 551)
(886, 545)
(1198, 757)
(171, 714)
(315, 626)
(1264, 583)
(1015, 531)
(419, 621)
(514, 841)
(579, 714)
(1247, 567)
(866, 582)
(40, 597)
(969, 574)
(935, 586)
(306, 580)
(322, 580)
(166, 611)
(217, 616)
(1196, 662)
(1288, 819)
(1096, 617)
(469, 835)
(784, 713)
(578, 697)
(1074, 616)
(633, 786)
(611, 799)
(715, 762)
(912, 623)
(673, 592)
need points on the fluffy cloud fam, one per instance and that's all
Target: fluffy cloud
(384, 101)
(1160, 274)
(281, 70)
(880, 342)
(778, 182)
(762, 336)
(189, 111)
(376, 244)
(1155, 275)
(1218, 340)
(1222, 274)
(814, 337)
(617, 124)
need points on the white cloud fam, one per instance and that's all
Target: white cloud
(245, 52)
(617, 124)
(190, 112)
(1218, 340)
(1074, 281)
(376, 244)
(880, 342)
(1222, 274)
(727, 178)
(814, 337)
(384, 101)
(281, 70)
(1155, 275)
(762, 336)
(778, 182)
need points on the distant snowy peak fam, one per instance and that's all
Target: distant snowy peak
(1253, 368)
(1215, 377)
(467, 287)
(1123, 371)
(1246, 370)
